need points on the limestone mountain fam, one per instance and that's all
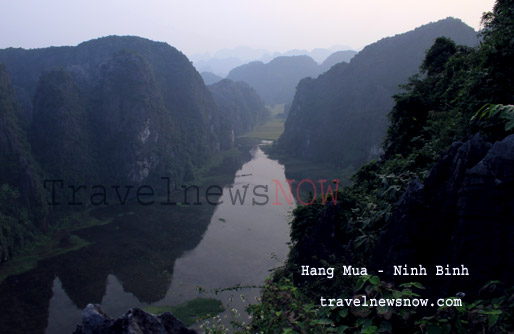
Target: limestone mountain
(125, 99)
(276, 81)
(241, 106)
(336, 58)
(59, 128)
(115, 110)
(341, 117)
(439, 199)
(210, 78)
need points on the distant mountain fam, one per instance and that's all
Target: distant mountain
(218, 66)
(335, 58)
(275, 81)
(240, 105)
(222, 61)
(210, 78)
(242, 52)
(317, 54)
(340, 117)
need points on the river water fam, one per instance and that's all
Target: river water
(160, 255)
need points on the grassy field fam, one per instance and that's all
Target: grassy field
(56, 243)
(190, 311)
(272, 128)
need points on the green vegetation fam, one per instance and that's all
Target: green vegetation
(286, 309)
(22, 212)
(459, 92)
(272, 128)
(116, 110)
(495, 113)
(62, 236)
(190, 311)
(44, 247)
(241, 108)
(340, 117)
(60, 239)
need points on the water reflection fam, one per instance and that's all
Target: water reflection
(242, 242)
(155, 255)
(61, 311)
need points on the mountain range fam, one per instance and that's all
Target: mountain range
(276, 80)
(115, 110)
(222, 61)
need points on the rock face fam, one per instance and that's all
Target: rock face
(135, 321)
(121, 109)
(463, 214)
(135, 129)
(115, 110)
(241, 108)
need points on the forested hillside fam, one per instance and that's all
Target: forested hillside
(22, 213)
(340, 117)
(115, 110)
(441, 194)
(241, 107)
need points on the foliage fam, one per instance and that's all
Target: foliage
(458, 92)
(491, 115)
(494, 314)
(240, 106)
(16, 228)
(190, 311)
(340, 117)
(438, 55)
(116, 110)
(285, 309)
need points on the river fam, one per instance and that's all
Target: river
(160, 255)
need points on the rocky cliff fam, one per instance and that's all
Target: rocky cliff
(139, 103)
(135, 321)
(115, 110)
(461, 214)
(241, 108)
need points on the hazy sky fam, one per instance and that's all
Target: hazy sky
(197, 26)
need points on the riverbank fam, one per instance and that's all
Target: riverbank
(63, 238)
